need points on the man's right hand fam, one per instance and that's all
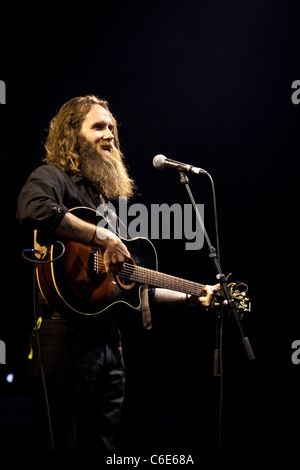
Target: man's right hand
(114, 253)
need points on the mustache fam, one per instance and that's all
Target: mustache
(106, 144)
(93, 150)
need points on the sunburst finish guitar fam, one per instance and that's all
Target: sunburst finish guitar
(78, 280)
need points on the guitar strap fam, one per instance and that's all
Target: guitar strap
(146, 314)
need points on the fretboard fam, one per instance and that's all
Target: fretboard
(156, 279)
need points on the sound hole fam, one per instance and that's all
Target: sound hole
(125, 282)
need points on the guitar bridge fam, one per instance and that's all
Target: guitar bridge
(93, 264)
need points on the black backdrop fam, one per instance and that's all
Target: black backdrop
(204, 82)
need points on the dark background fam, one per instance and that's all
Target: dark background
(207, 83)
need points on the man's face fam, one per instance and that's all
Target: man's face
(100, 161)
(97, 127)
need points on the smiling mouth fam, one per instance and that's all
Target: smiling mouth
(106, 147)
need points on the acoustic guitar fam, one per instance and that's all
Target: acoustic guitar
(78, 279)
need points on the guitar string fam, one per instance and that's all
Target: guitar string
(141, 275)
(134, 273)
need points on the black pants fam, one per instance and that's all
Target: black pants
(85, 380)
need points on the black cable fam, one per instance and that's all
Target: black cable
(215, 215)
(36, 262)
(219, 321)
(41, 261)
(40, 359)
(221, 382)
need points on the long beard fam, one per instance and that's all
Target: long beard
(105, 170)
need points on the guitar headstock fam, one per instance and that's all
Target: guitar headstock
(239, 294)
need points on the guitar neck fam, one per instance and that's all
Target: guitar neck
(157, 279)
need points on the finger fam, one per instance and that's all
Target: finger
(122, 257)
(205, 301)
(116, 265)
(209, 290)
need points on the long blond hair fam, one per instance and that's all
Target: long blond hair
(61, 144)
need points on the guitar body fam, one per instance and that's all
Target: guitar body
(78, 280)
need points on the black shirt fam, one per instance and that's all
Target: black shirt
(47, 196)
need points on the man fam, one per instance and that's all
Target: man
(81, 358)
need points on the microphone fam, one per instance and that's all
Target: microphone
(160, 162)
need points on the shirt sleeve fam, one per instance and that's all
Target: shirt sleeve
(40, 203)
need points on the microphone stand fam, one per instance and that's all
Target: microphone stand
(220, 276)
(217, 359)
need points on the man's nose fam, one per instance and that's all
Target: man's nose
(108, 135)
